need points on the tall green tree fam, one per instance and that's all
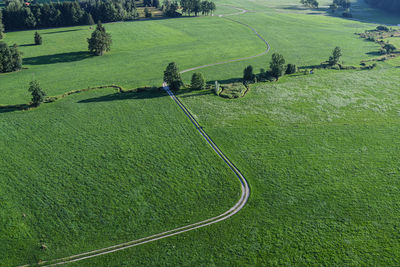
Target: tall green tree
(37, 93)
(10, 58)
(277, 65)
(248, 75)
(172, 76)
(198, 82)
(100, 41)
(38, 39)
(336, 55)
(1, 25)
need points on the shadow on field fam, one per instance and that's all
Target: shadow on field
(374, 53)
(124, 96)
(207, 92)
(26, 45)
(227, 81)
(11, 108)
(75, 30)
(57, 58)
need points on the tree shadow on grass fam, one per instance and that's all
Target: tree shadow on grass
(75, 30)
(374, 53)
(26, 45)
(57, 58)
(12, 108)
(125, 96)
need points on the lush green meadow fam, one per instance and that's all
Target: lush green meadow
(99, 168)
(140, 52)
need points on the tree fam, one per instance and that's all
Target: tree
(310, 3)
(389, 48)
(10, 58)
(1, 25)
(88, 19)
(172, 76)
(38, 94)
(100, 41)
(198, 81)
(38, 39)
(147, 13)
(248, 75)
(291, 68)
(155, 3)
(277, 65)
(336, 55)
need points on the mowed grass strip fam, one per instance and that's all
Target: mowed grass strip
(100, 168)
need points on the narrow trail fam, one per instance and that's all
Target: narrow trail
(242, 11)
(245, 189)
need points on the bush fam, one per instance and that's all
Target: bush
(382, 28)
(234, 90)
(198, 81)
(291, 68)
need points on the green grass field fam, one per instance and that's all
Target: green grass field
(99, 168)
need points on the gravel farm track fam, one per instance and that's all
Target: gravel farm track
(245, 190)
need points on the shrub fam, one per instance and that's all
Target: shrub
(291, 68)
(198, 82)
(382, 28)
(234, 90)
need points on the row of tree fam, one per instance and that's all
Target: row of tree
(390, 5)
(151, 3)
(18, 16)
(10, 58)
(197, 6)
(310, 3)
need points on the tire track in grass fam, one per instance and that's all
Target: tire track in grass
(245, 189)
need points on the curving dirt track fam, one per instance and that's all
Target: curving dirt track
(226, 215)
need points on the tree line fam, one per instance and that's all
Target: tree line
(197, 6)
(390, 5)
(1, 26)
(19, 16)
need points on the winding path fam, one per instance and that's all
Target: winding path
(244, 184)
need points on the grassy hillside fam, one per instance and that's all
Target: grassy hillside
(140, 52)
(322, 161)
(99, 168)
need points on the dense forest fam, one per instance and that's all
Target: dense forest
(1, 26)
(22, 14)
(389, 5)
(18, 15)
